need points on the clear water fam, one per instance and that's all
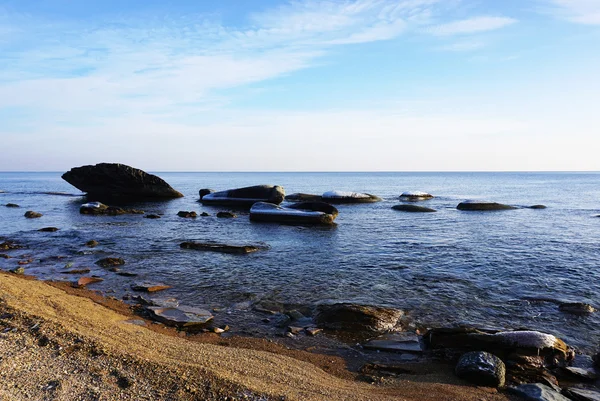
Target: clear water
(445, 267)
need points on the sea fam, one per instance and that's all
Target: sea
(504, 269)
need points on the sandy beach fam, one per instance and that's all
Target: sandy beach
(75, 345)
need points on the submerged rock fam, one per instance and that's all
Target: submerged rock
(307, 213)
(110, 262)
(12, 205)
(576, 308)
(245, 197)
(32, 215)
(395, 342)
(226, 215)
(538, 392)
(152, 216)
(9, 245)
(481, 368)
(187, 215)
(18, 270)
(92, 243)
(300, 197)
(48, 229)
(478, 205)
(415, 196)
(114, 180)
(76, 271)
(349, 197)
(537, 207)
(358, 318)
(222, 248)
(85, 281)
(150, 287)
(184, 317)
(413, 209)
(98, 208)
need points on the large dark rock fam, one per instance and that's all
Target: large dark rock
(481, 368)
(477, 205)
(205, 191)
(12, 205)
(538, 392)
(339, 197)
(358, 318)
(304, 213)
(576, 308)
(245, 197)
(413, 208)
(113, 180)
(301, 197)
(222, 248)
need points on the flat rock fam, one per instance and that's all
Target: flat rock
(478, 205)
(537, 207)
(85, 281)
(110, 262)
(301, 197)
(48, 229)
(226, 215)
(481, 368)
(302, 213)
(98, 208)
(538, 392)
(18, 270)
(338, 197)
(180, 317)
(150, 287)
(581, 373)
(113, 180)
(357, 318)
(401, 342)
(126, 274)
(76, 271)
(581, 394)
(11, 205)
(245, 197)
(415, 196)
(576, 308)
(413, 209)
(30, 214)
(222, 248)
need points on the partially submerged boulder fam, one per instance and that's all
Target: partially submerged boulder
(308, 213)
(301, 197)
(481, 205)
(114, 180)
(413, 208)
(187, 215)
(32, 215)
(349, 197)
(415, 196)
(98, 208)
(576, 308)
(184, 317)
(205, 191)
(358, 318)
(245, 197)
(222, 248)
(481, 368)
(11, 205)
(395, 342)
(110, 262)
(48, 229)
(149, 287)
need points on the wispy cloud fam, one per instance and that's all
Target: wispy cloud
(579, 11)
(471, 25)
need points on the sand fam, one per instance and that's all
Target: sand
(55, 345)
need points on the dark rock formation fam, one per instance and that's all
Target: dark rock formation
(415, 196)
(187, 215)
(110, 262)
(581, 394)
(413, 208)
(300, 197)
(92, 243)
(183, 317)
(12, 205)
(205, 191)
(537, 207)
(349, 197)
(476, 205)
(222, 248)
(576, 308)
(97, 208)
(9, 245)
(481, 368)
(152, 216)
(48, 229)
(226, 215)
(149, 287)
(538, 392)
(113, 180)
(305, 213)
(245, 197)
(32, 215)
(358, 318)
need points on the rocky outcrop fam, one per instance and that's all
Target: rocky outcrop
(303, 213)
(581, 394)
(413, 208)
(245, 197)
(113, 180)
(301, 197)
(538, 392)
(358, 318)
(415, 196)
(222, 248)
(481, 368)
(478, 205)
(338, 197)
(32, 215)
(97, 208)
(205, 191)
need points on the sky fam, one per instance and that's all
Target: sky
(314, 85)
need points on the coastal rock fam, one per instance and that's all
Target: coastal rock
(245, 197)
(32, 215)
(538, 392)
(18, 270)
(339, 197)
(222, 248)
(204, 214)
(226, 215)
(537, 207)
(580, 373)
(576, 308)
(481, 368)
(187, 215)
(395, 342)
(358, 318)
(478, 205)
(307, 213)
(110, 262)
(9, 245)
(301, 197)
(415, 196)
(85, 281)
(48, 229)
(581, 394)
(97, 208)
(152, 216)
(205, 191)
(11, 205)
(184, 317)
(4, 256)
(76, 271)
(113, 180)
(150, 287)
(92, 243)
(413, 208)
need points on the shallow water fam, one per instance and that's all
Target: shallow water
(445, 267)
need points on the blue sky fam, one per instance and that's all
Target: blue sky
(374, 85)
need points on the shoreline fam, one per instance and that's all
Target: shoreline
(236, 367)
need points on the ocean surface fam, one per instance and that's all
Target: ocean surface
(444, 268)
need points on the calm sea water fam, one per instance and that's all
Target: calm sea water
(444, 267)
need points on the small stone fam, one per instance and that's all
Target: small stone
(126, 274)
(32, 215)
(18, 270)
(110, 262)
(76, 271)
(48, 229)
(92, 243)
(84, 281)
(537, 207)
(186, 214)
(4, 256)
(226, 215)
(295, 315)
(294, 330)
(114, 270)
(204, 214)
(481, 368)
(266, 320)
(12, 205)
(149, 287)
(313, 331)
(290, 335)
(152, 216)
(218, 330)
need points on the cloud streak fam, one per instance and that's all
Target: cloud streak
(585, 12)
(471, 25)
